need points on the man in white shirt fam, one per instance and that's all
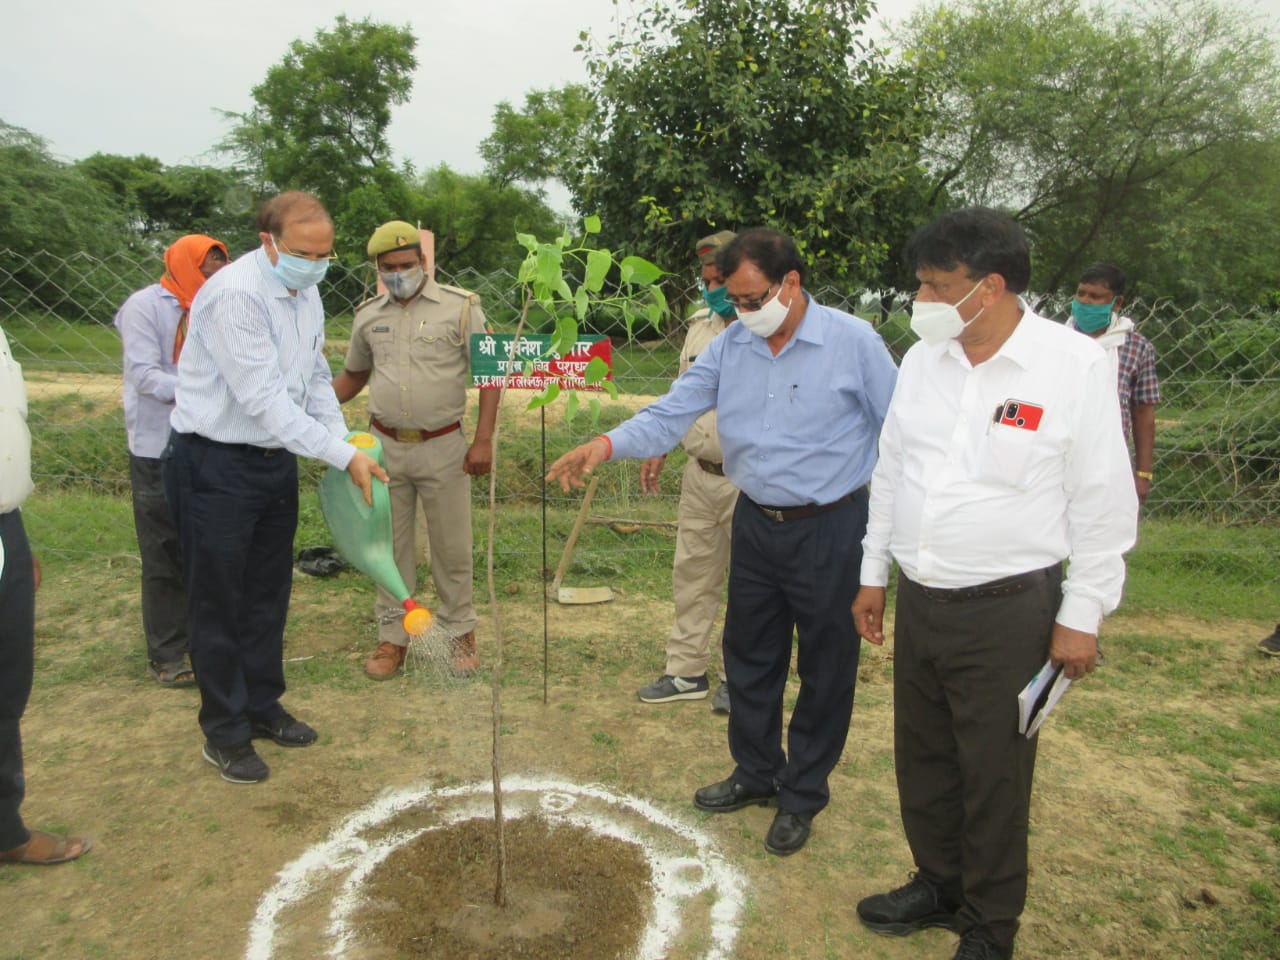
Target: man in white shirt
(19, 578)
(1001, 456)
(254, 392)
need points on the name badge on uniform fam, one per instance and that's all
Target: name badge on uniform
(380, 330)
(1020, 414)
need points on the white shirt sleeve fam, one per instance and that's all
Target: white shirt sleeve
(142, 333)
(876, 557)
(1102, 505)
(247, 359)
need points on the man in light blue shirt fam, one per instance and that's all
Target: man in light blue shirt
(803, 393)
(153, 326)
(254, 390)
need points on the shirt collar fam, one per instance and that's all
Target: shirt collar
(1019, 347)
(808, 332)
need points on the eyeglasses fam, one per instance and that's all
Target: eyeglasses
(315, 257)
(751, 304)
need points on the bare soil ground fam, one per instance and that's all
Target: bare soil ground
(184, 863)
(182, 860)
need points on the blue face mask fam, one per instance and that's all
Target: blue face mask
(718, 301)
(1091, 317)
(298, 273)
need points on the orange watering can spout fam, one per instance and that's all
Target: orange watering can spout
(417, 620)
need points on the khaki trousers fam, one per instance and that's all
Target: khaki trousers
(705, 519)
(430, 472)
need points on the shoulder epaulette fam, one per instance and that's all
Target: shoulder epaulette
(470, 294)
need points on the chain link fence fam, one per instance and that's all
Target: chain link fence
(1217, 458)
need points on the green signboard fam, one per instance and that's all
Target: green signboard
(498, 360)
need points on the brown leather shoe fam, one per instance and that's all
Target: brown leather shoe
(465, 660)
(386, 661)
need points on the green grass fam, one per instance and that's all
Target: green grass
(645, 367)
(42, 343)
(1180, 565)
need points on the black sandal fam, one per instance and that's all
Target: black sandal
(175, 674)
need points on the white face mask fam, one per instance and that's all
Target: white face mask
(403, 284)
(935, 322)
(765, 321)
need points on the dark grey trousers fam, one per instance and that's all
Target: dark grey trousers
(164, 601)
(964, 771)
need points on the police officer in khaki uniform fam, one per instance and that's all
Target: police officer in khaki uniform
(411, 346)
(705, 515)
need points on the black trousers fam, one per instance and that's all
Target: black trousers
(164, 601)
(17, 659)
(236, 510)
(964, 771)
(798, 575)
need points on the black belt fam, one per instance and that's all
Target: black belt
(1004, 587)
(809, 509)
(711, 467)
(239, 447)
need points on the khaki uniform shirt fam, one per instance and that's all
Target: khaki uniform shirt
(702, 441)
(419, 355)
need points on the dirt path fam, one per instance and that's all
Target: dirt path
(182, 859)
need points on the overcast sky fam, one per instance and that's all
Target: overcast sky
(148, 76)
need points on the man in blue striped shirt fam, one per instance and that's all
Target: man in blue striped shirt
(800, 391)
(254, 391)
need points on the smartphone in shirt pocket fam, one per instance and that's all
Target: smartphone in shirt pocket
(1010, 442)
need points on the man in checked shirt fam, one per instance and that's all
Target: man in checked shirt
(1095, 311)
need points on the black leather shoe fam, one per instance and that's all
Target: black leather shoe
(919, 904)
(975, 946)
(285, 730)
(729, 795)
(788, 833)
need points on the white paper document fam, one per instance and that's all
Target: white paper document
(1040, 696)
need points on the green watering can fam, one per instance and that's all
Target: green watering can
(362, 533)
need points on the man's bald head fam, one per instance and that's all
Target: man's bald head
(292, 206)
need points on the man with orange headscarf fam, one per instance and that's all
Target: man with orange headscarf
(153, 326)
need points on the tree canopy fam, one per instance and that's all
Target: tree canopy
(735, 113)
(547, 139)
(321, 114)
(475, 220)
(1128, 134)
(165, 202)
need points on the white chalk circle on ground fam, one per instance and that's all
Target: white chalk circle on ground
(328, 878)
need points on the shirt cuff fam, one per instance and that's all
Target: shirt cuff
(338, 453)
(1080, 613)
(875, 573)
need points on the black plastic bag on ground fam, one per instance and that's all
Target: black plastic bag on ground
(320, 561)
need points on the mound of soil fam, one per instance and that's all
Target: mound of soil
(571, 894)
